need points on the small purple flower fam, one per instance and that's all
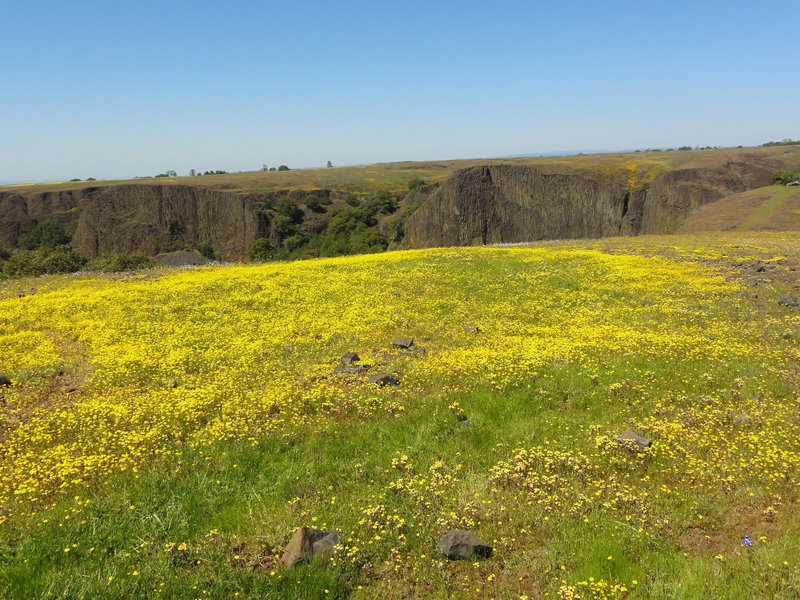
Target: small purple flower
(746, 541)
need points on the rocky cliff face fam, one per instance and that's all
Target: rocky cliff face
(155, 219)
(505, 203)
(142, 218)
(475, 205)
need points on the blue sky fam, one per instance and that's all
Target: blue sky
(118, 89)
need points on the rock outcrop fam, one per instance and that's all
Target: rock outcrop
(151, 219)
(503, 203)
(508, 203)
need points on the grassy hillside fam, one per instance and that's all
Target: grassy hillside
(167, 431)
(772, 208)
(396, 176)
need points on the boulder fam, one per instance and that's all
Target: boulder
(350, 369)
(471, 328)
(628, 438)
(349, 358)
(383, 379)
(459, 544)
(403, 342)
(4, 381)
(308, 543)
(347, 365)
(790, 301)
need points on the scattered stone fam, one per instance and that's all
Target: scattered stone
(347, 365)
(308, 543)
(384, 379)
(403, 342)
(628, 437)
(349, 359)
(471, 328)
(459, 544)
(4, 381)
(790, 301)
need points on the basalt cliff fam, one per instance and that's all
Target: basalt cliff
(507, 203)
(499, 203)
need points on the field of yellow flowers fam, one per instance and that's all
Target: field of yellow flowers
(166, 431)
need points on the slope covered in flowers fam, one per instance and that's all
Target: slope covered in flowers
(124, 387)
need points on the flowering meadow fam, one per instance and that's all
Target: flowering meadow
(166, 431)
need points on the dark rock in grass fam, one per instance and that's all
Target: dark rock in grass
(384, 379)
(458, 544)
(347, 365)
(630, 439)
(308, 543)
(349, 358)
(790, 301)
(4, 381)
(403, 342)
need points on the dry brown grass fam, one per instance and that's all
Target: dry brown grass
(396, 176)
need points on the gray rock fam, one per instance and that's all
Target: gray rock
(628, 437)
(350, 369)
(349, 359)
(403, 342)
(383, 379)
(347, 365)
(471, 328)
(308, 543)
(458, 544)
(790, 301)
(4, 381)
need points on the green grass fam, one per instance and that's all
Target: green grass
(235, 504)
(764, 212)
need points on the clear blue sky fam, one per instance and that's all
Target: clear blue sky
(118, 89)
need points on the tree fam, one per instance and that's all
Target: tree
(192, 172)
(330, 165)
(285, 206)
(45, 234)
(283, 168)
(171, 173)
(261, 250)
(205, 250)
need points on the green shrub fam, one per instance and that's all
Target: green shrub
(205, 250)
(784, 177)
(287, 208)
(45, 234)
(43, 261)
(262, 250)
(116, 262)
(415, 183)
(293, 242)
(314, 204)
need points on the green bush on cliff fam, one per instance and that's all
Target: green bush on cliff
(115, 263)
(45, 234)
(261, 250)
(205, 250)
